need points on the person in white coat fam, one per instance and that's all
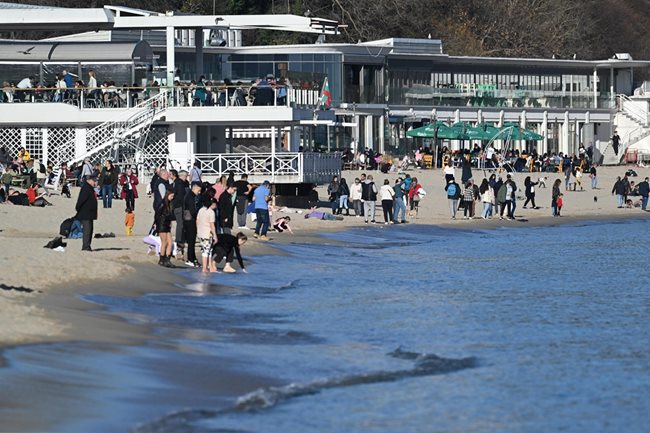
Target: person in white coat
(355, 196)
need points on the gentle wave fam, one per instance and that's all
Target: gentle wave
(267, 398)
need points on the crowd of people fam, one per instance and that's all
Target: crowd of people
(90, 92)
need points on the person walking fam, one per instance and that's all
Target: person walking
(261, 199)
(453, 195)
(487, 196)
(344, 194)
(530, 192)
(387, 194)
(86, 208)
(555, 196)
(129, 183)
(191, 206)
(355, 196)
(620, 190)
(107, 178)
(616, 142)
(593, 174)
(243, 193)
(369, 197)
(334, 194)
(468, 200)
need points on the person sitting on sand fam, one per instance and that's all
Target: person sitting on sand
(36, 199)
(282, 225)
(227, 246)
(323, 216)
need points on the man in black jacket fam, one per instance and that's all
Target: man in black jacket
(644, 192)
(227, 209)
(87, 210)
(180, 185)
(191, 206)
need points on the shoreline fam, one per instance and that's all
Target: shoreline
(121, 266)
(80, 320)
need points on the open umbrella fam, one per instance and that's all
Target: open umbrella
(432, 130)
(512, 131)
(483, 132)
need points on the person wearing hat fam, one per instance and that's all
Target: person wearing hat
(87, 210)
(261, 199)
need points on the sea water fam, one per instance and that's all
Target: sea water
(421, 329)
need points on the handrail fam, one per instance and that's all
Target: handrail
(628, 106)
(116, 130)
(180, 96)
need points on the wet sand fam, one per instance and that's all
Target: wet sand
(120, 265)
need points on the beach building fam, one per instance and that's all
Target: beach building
(149, 113)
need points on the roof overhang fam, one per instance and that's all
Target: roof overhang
(110, 17)
(56, 19)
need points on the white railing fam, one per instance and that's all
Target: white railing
(637, 110)
(116, 132)
(181, 96)
(287, 167)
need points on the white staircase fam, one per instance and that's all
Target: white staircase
(633, 125)
(107, 140)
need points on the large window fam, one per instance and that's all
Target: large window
(305, 70)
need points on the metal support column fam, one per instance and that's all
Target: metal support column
(198, 43)
(171, 55)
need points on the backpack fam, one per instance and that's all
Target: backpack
(452, 190)
(66, 226)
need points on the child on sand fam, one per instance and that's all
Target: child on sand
(579, 178)
(560, 202)
(282, 225)
(129, 221)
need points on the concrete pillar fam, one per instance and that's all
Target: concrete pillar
(612, 96)
(190, 146)
(357, 132)
(544, 133)
(369, 139)
(564, 143)
(479, 116)
(198, 43)
(171, 55)
(595, 84)
(294, 139)
(382, 134)
(578, 140)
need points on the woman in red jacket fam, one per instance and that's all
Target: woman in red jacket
(129, 183)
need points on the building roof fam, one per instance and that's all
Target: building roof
(29, 17)
(35, 52)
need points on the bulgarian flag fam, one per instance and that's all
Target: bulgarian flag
(326, 96)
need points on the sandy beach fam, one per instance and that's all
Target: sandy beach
(50, 309)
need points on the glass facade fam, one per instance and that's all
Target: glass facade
(480, 87)
(416, 82)
(304, 70)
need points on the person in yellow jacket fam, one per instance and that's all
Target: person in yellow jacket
(24, 155)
